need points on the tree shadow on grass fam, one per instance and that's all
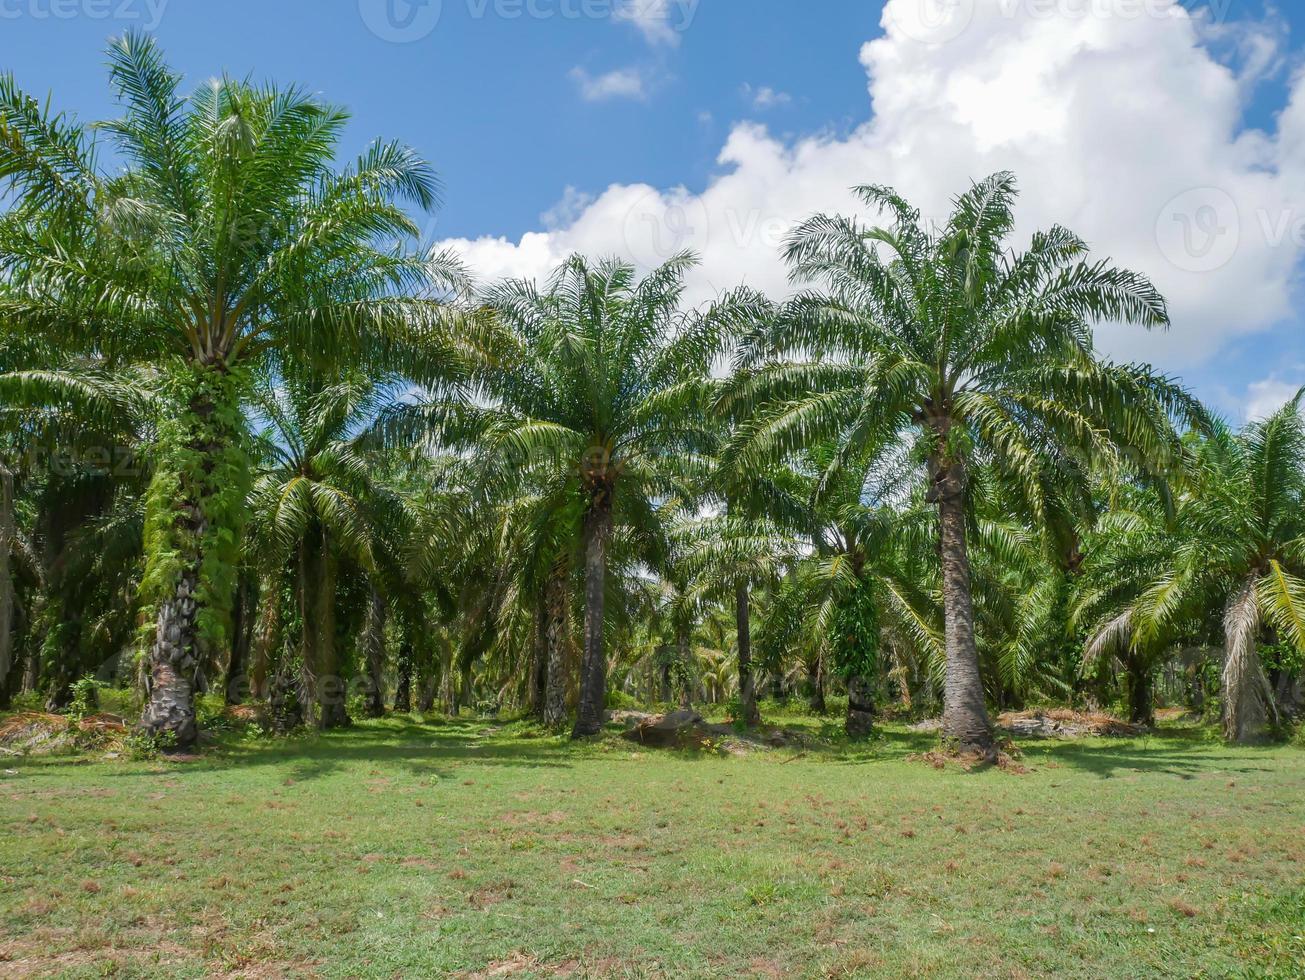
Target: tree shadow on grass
(1184, 753)
(397, 743)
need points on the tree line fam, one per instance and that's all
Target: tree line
(258, 436)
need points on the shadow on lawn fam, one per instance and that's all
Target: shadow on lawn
(1181, 752)
(424, 749)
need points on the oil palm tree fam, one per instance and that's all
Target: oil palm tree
(603, 379)
(312, 505)
(945, 337)
(1240, 548)
(725, 558)
(220, 241)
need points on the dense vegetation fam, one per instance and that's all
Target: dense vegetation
(261, 440)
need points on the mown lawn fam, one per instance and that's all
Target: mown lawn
(401, 849)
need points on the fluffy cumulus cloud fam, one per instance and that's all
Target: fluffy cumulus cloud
(1124, 120)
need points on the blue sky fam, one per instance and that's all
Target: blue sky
(516, 108)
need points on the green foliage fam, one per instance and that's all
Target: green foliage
(618, 700)
(144, 746)
(85, 699)
(856, 631)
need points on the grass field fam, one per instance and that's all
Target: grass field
(471, 849)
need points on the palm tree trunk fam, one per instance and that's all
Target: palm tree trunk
(7, 534)
(403, 691)
(172, 662)
(555, 602)
(242, 629)
(267, 637)
(1141, 696)
(684, 654)
(537, 678)
(817, 675)
(965, 715)
(331, 709)
(32, 672)
(177, 651)
(593, 668)
(751, 716)
(860, 707)
(1246, 695)
(374, 652)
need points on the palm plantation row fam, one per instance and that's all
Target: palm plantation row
(348, 476)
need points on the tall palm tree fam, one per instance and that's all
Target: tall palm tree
(974, 352)
(219, 242)
(602, 378)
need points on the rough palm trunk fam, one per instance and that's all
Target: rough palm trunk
(242, 627)
(556, 641)
(751, 716)
(537, 681)
(174, 657)
(1246, 693)
(319, 630)
(32, 671)
(7, 534)
(374, 654)
(686, 674)
(817, 674)
(403, 691)
(965, 715)
(267, 637)
(593, 667)
(860, 707)
(1141, 694)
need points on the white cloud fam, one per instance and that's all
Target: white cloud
(623, 83)
(765, 97)
(1265, 398)
(660, 21)
(1128, 129)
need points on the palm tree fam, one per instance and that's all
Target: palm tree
(858, 588)
(74, 438)
(976, 353)
(726, 558)
(603, 379)
(311, 506)
(219, 242)
(1241, 548)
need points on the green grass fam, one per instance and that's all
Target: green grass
(401, 849)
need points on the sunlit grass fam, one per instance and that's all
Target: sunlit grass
(410, 849)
